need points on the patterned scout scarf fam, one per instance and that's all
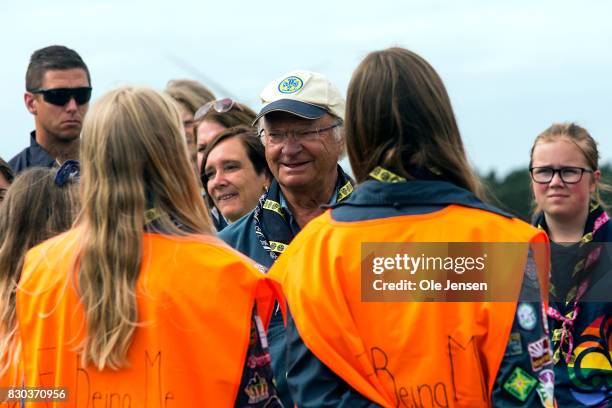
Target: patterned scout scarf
(272, 224)
(595, 229)
(385, 176)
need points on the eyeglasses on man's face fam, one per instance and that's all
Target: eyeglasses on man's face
(61, 96)
(569, 175)
(220, 106)
(274, 136)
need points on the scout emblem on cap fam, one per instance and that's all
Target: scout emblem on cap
(290, 85)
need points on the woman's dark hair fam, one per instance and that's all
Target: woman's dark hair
(6, 171)
(399, 116)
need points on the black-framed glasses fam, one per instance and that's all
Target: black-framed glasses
(220, 106)
(61, 96)
(274, 136)
(569, 175)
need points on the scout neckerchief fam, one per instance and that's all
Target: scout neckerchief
(594, 230)
(272, 223)
(385, 176)
(419, 173)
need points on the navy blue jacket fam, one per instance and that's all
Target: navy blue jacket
(32, 156)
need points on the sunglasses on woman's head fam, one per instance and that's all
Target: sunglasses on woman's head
(61, 96)
(220, 106)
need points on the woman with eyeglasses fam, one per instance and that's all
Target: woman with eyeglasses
(139, 304)
(566, 181)
(353, 343)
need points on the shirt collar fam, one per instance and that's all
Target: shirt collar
(39, 155)
(295, 228)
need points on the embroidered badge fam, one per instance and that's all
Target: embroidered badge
(385, 175)
(277, 247)
(257, 389)
(273, 206)
(526, 314)
(290, 85)
(546, 388)
(520, 384)
(515, 346)
(262, 360)
(547, 376)
(344, 191)
(540, 353)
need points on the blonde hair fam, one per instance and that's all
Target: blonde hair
(51, 210)
(581, 138)
(133, 160)
(190, 93)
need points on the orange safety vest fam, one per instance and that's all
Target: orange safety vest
(195, 297)
(10, 379)
(401, 354)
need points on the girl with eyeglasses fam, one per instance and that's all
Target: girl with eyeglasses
(566, 181)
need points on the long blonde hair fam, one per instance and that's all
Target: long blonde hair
(51, 209)
(134, 159)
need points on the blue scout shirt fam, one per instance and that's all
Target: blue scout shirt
(241, 236)
(32, 156)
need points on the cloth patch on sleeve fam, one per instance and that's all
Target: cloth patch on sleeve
(515, 346)
(520, 384)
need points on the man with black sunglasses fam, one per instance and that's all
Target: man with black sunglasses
(58, 90)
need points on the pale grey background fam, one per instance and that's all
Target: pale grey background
(511, 68)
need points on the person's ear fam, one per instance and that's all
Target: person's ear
(267, 183)
(30, 102)
(595, 181)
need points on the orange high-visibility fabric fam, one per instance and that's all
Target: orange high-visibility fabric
(401, 354)
(195, 297)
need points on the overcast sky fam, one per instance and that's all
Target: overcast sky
(511, 68)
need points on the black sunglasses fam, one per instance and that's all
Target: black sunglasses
(61, 96)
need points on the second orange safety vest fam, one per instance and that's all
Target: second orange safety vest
(401, 354)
